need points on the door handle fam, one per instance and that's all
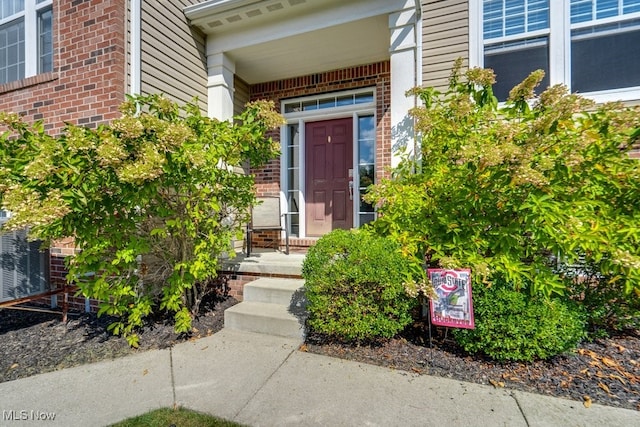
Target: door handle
(350, 190)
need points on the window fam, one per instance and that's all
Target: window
(516, 35)
(592, 46)
(293, 178)
(26, 38)
(331, 101)
(366, 165)
(45, 40)
(605, 47)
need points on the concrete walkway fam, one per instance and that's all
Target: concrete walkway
(261, 380)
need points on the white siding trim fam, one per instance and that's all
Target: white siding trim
(30, 39)
(476, 47)
(559, 45)
(135, 29)
(404, 57)
(418, 31)
(344, 13)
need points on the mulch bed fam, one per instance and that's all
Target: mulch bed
(605, 372)
(34, 343)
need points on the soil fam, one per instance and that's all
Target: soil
(34, 342)
(606, 371)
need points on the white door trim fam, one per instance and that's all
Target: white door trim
(303, 117)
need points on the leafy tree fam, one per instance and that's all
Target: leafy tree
(514, 191)
(152, 200)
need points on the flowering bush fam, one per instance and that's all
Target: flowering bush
(152, 200)
(514, 191)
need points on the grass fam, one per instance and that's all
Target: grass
(181, 417)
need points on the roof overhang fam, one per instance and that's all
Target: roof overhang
(276, 39)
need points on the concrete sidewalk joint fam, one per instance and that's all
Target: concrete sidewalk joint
(173, 377)
(263, 384)
(524, 416)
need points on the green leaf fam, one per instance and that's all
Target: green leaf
(148, 184)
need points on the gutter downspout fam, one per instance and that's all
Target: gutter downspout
(135, 53)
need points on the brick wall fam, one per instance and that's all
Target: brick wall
(72, 303)
(235, 281)
(376, 75)
(57, 269)
(274, 239)
(88, 80)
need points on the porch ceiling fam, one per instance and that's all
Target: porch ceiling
(277, 39)
(327, 49)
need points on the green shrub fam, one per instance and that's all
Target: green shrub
(607, 307)
(501, 188)
(143, 197)
(354, 283)
(512, 325)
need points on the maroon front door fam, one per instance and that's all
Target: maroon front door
(328, 161)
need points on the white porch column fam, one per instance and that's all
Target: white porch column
(404, 57)
(220, 86)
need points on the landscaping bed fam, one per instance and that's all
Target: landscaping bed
(607, 370)
(34, 343)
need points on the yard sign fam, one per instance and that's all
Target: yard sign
(453, 306)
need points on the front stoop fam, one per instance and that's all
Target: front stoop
(272, 306)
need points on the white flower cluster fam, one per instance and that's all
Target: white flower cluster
(625, 259)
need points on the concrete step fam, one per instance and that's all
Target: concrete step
(265, 263)
(272, 306)
(272, 290)
(264, 318)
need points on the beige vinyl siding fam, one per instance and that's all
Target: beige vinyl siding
(173, 53)
(445, 37)
(240, 95)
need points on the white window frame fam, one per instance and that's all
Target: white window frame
(301, 118)
(559, 47)
(357, 195)
(30, 15)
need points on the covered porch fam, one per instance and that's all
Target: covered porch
(338, 71)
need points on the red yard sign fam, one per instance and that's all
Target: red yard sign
(453, 306)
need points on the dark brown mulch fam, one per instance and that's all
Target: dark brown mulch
(34, 343)
(606, 371)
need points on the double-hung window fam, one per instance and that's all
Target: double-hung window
(26, 38)
(592, 46)
(605, 44)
